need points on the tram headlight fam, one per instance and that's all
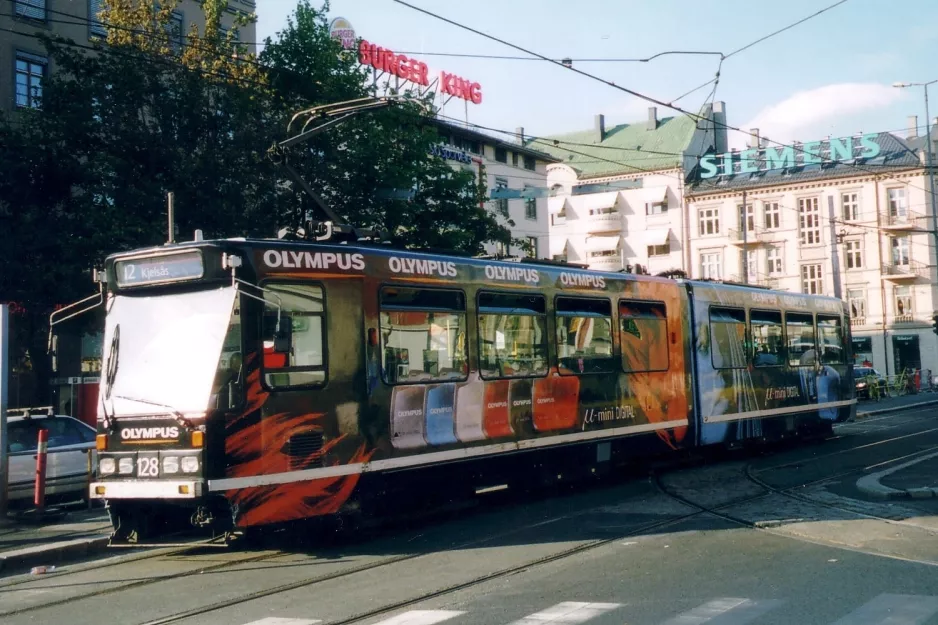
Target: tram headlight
(190, 464)
(107, 466)
(125, 466)
(171, 464)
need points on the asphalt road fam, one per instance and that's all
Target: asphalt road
(783, 537)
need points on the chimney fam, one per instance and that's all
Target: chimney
(913, 127)
(600, 128)
(519, 135)
(754, 138)
(652, 118)
(720, 139)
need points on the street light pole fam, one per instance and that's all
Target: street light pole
(930, 163)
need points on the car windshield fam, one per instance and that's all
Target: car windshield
(162, 351)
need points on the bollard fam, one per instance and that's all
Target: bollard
(39, 498)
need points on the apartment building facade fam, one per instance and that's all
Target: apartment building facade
(763, 216)
(516, 177)
(616, 194)
(24, 63)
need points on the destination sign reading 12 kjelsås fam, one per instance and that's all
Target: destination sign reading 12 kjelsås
(159, 269)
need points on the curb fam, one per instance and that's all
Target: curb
(54, 553)
(870, 413)
(870, 484)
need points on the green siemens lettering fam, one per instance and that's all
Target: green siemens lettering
(774, 160)
(841, 149)
(708, 166)
(748, 161)
(869, 143)
(811, 154)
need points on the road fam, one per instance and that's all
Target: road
(778, 537)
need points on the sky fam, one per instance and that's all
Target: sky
(831, 75)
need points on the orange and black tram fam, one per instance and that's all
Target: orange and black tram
(250, 383)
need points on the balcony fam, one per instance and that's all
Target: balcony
(753, 237)
(909, 271)
(905, 221)
(606, 263)
(857, 321)
(604, 220)
(769, 282)
(904, 319)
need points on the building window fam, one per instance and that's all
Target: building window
(850, 205)
(747, 218)
(898, 204)
(748, 260)
(501, 155)
(708, 220)
(556, 189)
(32, 9)
(900, 251)
(530, 163)
(94, 13)
(773, 258)
(501, 203)
(811, 280)
(501, 249)
(854, 250)
(659, 250)
(809, 221)
(772, 215)
(903, 300)
(856, 302)
(175, 30)
(30, 70)
(530, 205)
(514, 159)
(656, 208)
(710, 266)
(559, 218)
(532, 244)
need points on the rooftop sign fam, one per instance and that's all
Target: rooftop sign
(784, 157)
(341, 29)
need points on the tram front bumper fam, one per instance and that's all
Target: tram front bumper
(140, 489)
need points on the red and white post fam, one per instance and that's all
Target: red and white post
(39, 499)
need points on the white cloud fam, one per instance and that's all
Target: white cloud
(808, 115)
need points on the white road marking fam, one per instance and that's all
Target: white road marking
(276, 620)
(889, 609)
(568, 612)
(724, 611)
(421, 617)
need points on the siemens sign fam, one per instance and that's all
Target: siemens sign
(749, 161)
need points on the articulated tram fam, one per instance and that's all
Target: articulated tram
(254, 382)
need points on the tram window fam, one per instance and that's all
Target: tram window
(831, 340)
(302, 328)
(423, 335)
(584, 335)
(767, 340)
(728, 349)
(801, 339)
(512, 335)
(229, 375)
(644, 336)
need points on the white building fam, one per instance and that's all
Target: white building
(881, 236)
(515, 174)
(617, 194)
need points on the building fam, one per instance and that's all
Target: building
(23, 55)
(877, 252)
(516, 176)
(617, 193)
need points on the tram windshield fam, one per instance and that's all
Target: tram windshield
(163, 352)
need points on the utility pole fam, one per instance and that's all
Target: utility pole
(835, 257)
(744, 220)
(171, 213)
(4, 381)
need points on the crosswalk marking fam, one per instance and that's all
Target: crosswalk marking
(889, 609)
(724, 611)
(568, 612)
(276, 620)
(421, 617)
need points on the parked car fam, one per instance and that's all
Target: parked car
(70, 441)
(862, 375)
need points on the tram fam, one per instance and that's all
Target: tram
(248, 383)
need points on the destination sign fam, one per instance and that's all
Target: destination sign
(159, 269)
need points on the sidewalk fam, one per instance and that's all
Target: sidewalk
(915, 479)
(867, 408)
(26, 542)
